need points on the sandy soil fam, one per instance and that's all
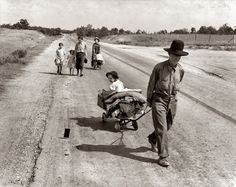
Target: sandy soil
(39, 105)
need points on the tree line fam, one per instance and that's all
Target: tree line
(89, 31)
(224, 29)
(104, 31)
(24, 24)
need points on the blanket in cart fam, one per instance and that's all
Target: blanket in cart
(135, 94)
(127, 102)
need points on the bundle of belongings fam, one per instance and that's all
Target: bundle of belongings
(124, 104)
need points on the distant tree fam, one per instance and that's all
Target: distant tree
(203, 30)
(6, 26)
(128, 32)
(89, 31)
(225, 29)
(16, 26)
(114, 31)
(103, 32)
(138, 31)
(144, 32)
(212, 30)
(81, 31)
(180, 31)
(24, 23)
(207, 30)
(56, 31)
(121, 31)
(193, 30)
(161, 32)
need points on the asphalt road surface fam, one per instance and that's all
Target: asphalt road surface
(38, 105)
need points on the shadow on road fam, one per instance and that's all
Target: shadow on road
(51, 73)
(118, 150)
(90, 68)
(94, 123)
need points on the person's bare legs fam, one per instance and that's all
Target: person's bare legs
(60, 69)
(81, 72)
(57, 69)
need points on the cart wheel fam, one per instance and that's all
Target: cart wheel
(135, 125)
(104, 117)
(117, 126)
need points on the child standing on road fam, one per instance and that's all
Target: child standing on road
(60, 58)
(71, 62)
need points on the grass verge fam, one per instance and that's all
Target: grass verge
(11, 65)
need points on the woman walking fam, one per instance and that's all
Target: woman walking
(96, 49)
(81, 55)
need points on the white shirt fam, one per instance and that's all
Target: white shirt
(81, 47)
(60, 54)
(117, 86)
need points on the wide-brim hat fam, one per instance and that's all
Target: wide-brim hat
(176, 48)
(96, 38)
(113, 73)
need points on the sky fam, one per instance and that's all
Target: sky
(148, 15)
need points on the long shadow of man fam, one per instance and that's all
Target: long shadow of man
(118, 150)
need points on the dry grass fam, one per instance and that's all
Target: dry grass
(193, 41)
(15, 54)
(11, 60)
(12, 40)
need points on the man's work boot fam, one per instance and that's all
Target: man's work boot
(163, 162)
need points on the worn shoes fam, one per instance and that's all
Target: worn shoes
(163, 162)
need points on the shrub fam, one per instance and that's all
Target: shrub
(20, 53)
(11, 59)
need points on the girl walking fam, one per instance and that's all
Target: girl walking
(60, 58)
(71, 62)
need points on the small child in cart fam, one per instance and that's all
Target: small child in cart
(116, 84)
(71, 62)
(123, 104)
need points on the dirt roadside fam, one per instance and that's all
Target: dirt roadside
(24, 106)
(40, 105)
(36, 46)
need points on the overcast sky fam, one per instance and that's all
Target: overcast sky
(149, 15)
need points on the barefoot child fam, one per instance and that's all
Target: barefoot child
(71, 62)
(60, 57)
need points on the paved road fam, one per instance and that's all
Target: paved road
(39, 105)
